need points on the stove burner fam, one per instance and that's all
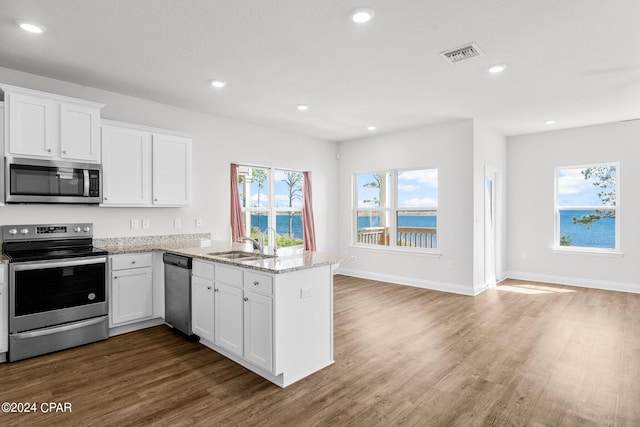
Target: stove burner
(23, 243)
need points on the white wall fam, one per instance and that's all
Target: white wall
(218, 142)
(489, 150)
(531, 163)
(448, 147)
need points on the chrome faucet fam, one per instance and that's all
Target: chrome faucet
(274, 241)
(256, 245)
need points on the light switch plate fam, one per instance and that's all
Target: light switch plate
(305, 293)
(177, 223)
(135, 224)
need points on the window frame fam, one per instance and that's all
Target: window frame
(271, 210)
(557, 209)
(391, 211)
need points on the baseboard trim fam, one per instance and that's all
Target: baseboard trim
(410, 281)
(576, 281)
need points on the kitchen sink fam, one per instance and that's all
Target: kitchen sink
(240, 255)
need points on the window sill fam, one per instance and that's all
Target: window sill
(389, 250)
(589, 251)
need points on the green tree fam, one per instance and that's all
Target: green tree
(258, 176)
(604, 178)
(373, 184)
(293, 181)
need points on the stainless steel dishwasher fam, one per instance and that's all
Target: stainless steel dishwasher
(177, 292)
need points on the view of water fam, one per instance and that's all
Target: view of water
(430, 221)
(282, 224)
(601, 234)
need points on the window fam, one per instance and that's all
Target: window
(272, 198)
(587, 207)
(397, 208)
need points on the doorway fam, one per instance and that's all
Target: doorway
(492, 218)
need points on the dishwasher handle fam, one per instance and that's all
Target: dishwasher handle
(177, 260)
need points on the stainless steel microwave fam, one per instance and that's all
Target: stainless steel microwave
(52, 181)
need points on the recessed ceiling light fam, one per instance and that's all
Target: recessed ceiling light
(218, 83)
(361, 15)
(31, 27)
(497, 69)
(302, 107)
(550, 122)
(371, 128)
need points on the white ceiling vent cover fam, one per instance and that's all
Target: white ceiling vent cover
(461, 53)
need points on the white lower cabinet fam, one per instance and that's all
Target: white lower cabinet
(202, 306)
(258, 330)
(278, 325)
(131, 297)
(228, 318)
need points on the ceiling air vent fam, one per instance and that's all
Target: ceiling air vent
(461, 53)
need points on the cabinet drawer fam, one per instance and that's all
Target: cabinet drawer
(258, 282)
(203, 269)
(121, 262)
(228, 275)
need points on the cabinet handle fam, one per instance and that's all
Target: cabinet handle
(215, 290)
(155, 200)
(208, 288)
(115, 277)
(246, 299)
(63, 151)
(104, 198)
(256, 283)
(133, 262)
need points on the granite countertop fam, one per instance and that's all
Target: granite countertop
(287, 260)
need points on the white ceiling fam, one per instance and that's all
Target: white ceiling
(574, 61)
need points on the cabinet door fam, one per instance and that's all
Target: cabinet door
(258, 330)
(33, 126)
(126, 166)
(228, 318)
(202, 305)
(131, 295)
(171, 170)
(79, 133)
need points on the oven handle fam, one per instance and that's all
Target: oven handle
(58, 264)
(58, 329)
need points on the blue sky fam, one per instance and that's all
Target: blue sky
(575, 190)
(416, 189)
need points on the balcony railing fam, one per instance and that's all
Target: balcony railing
(416, 237)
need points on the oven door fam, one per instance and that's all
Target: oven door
(48, 293)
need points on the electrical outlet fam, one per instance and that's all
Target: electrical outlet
(135, 224)
(198, 222)
(305, 293)
(177, 223)
(146, 223)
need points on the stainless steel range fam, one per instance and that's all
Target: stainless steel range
(57, 288)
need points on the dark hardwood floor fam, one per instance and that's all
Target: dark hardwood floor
(522, 354)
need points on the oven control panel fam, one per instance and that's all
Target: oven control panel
(46, 231)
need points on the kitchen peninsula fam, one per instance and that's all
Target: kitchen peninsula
(272, 315)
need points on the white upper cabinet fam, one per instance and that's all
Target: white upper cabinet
(126, 165)
(145, 166)
(171, 170)
(79, 132)
(42, 125)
